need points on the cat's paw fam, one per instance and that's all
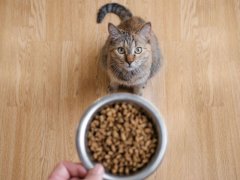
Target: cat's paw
(138, 91)
(109, 89)
(112, 89)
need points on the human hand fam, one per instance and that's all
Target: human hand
(75, 171)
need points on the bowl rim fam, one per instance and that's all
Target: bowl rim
(91, 110)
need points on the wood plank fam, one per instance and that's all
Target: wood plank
(49, 74)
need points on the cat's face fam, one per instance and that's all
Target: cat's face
(129, 50)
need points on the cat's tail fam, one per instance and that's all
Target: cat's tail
(115, 8)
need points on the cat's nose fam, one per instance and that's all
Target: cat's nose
(130, 59)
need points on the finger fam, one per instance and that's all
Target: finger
(66, 170)
(96, 173)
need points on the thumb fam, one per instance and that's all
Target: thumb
(95, 173)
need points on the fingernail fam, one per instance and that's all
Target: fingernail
(98, 168)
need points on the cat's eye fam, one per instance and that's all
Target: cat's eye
(138, 50)
(121, 50)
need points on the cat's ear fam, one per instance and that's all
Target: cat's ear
(145, 31)
(113, 31)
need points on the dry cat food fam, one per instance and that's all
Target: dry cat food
(121, 137)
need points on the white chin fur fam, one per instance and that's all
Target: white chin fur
(127, 67)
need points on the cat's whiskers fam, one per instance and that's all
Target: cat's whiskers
(131, 53)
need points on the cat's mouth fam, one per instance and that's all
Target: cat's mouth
(129, 67)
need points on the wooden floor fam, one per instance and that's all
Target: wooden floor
(49, 75)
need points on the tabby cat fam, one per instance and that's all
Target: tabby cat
(131, 54)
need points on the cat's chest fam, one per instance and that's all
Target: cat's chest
(129, 78)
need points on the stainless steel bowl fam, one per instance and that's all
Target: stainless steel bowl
(150, 109)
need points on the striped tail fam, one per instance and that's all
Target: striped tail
(115, 8)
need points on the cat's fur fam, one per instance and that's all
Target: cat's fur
(129, 68)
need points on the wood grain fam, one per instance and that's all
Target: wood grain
(49, 74)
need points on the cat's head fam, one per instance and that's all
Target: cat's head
(130, 49)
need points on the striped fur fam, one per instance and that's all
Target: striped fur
(115, 8)
(129, 67)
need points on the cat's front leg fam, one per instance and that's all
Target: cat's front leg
(113, 87)
(138, 89)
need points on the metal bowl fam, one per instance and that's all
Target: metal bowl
(150, 110)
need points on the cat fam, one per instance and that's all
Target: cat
(131, 54)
